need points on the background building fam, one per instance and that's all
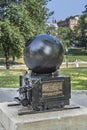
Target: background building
(70, 22)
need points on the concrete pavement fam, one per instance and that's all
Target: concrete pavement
(8, 94)
(77, 96)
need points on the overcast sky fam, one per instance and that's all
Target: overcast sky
(65, 8)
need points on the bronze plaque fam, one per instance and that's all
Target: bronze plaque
(52, 89)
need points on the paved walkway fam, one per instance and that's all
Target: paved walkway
(8, 94)
(1, 127)
(77, 96)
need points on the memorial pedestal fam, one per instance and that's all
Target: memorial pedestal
(75, 119)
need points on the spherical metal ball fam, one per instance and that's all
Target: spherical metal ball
(43, 54)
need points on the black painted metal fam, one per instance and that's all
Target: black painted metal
(58, 100)
(31, 111)
(42, 88)
(45, 91)
(43, 54)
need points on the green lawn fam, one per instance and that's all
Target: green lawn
(73, 58)
(17, 61)
(21, 60)
(10, 78)
(78, 77)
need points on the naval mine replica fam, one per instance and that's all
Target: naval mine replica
(42, 88)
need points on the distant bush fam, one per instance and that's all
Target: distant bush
(76, 51)
(72, 58)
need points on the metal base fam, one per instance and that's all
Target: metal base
(29, 109)
(14, 104)
(25, 111)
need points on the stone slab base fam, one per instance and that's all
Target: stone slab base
(1, 127)
(75, 119)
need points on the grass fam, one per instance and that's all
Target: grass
(78, 77)
(10, 78)
(17, 61)
(21, 60)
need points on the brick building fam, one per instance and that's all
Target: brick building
(70, 22)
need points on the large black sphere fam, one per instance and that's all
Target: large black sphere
(43, 54)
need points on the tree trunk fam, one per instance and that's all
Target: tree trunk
(6, 51)
(7, 62)
(13, 59)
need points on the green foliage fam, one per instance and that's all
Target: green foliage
(85, 11)
(26, 19)
(11, 38)
(51, 29)
(20, 21)
(76, 51)
(73, 58)
(80, 32)
(83, 30)
(65, 36)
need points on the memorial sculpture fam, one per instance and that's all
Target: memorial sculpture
(42, 88)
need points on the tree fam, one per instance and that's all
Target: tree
(10, 40)
(20, 20)
(85, 11)
(82, 31)
(32, 11)
(76, 36)
(52, 29)
(65, 35)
